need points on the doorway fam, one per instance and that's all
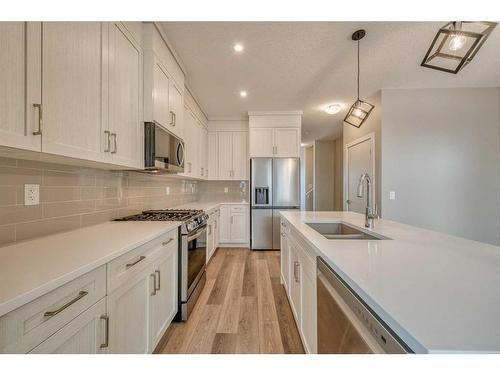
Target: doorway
(359, 159)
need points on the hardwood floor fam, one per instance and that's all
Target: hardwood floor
(242, 309)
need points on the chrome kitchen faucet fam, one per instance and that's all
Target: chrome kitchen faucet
(371, 208)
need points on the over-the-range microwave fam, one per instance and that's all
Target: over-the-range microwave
(163, 151)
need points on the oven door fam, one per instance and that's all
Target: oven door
(194, 257)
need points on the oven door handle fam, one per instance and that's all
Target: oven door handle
(198, 233)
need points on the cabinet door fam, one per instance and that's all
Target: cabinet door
(240, 156)
(285, 260)
(83, 335)
(294, 286)
(308, 304)
(161, 87)
(190, 140)
(238, 227)
(125, 97)
(210, 236)
(225, 224)
(216, 230)
(203, 151)
(176, 109)
(212, 156)
(129, 315)
(287, 142)
(164, 300)
(225, 155)
(20, 84)
(73, 71)
(261, 142)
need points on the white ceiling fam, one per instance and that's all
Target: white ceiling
(307, 65)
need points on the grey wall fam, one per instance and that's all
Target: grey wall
(324, 152)
(441, 155)
(372, 124)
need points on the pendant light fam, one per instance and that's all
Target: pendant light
(456, 44)
(360, 110)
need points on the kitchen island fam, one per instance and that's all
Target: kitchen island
(437, 292)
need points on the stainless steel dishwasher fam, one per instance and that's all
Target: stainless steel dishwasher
(345, 323)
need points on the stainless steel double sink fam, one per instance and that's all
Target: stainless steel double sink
(343, 231)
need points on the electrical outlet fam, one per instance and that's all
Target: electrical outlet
(31, 194)
(392, 195)
(226, 189)
(167, 190)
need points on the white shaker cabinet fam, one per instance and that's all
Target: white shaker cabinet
(164, 295)
(73, 68)
(261, 142)
(176, 109)
(224, 155)
(232, 155)
(125, 97)
(86, 334)
(225, 224)
(275, 142)
(212, 156)
(233, 224)
(20, 84)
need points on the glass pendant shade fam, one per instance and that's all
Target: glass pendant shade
(456, 44)
(358, 113)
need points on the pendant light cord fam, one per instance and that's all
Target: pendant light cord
(358, 69)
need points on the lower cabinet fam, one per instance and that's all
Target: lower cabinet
(128, 315)
(86, 334)
(233, 224)
(298, 272)
(212, 233)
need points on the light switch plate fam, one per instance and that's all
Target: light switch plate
(167, 190)
(392, 195)
(31, 194)
(226, 189)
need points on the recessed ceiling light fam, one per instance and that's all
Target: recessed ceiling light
(333, 109)
(238, 47)
(243, 94)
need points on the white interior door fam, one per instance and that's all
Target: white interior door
(360, 159)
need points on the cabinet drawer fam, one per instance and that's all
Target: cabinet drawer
(237, 208)
(26, 327)
(135, 261)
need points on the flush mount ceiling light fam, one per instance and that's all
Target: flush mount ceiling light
(333, 109)
(238, 47)
(456, 44)
(243, 94)
(360, 110)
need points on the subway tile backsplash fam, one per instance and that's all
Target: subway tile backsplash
(73, 197)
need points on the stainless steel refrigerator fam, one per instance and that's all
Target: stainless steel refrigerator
(275, 186)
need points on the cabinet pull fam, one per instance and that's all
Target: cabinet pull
(106, 330)
(153, 275)
(80, 295)
(164, 243)
(232, 219)
(40, 118)
(159, 281)
(108, 141)
(209, 230)
(175, 119)
(172, 117)
(115, 148)
(141, 258)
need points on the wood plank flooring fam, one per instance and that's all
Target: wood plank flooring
(242, 309)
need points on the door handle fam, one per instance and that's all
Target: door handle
(107, 133)
(153, 275)
(40, 120)
(80, 295)
(157, 272)
(106, 337)
(115, 149)
(172, 122)
(141, 258)
(164, 243)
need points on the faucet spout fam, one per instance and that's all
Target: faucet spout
(371, 210)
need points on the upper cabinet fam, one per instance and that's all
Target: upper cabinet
(77, 91)
(232, 155)
(275, 134)
(20, 84)
(163, 83)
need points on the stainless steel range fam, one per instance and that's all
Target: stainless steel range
(192, 252)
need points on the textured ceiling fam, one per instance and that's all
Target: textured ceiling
(307, 65)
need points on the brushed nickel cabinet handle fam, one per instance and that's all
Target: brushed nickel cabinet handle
(141, 258)
(175, 119)
(164, 243)
(80, 295)
(172, 118)
(106, 337)
(209, 230)
(40, 118)
(108, 140)
(115, 148)
(153, 293)
(157, 272)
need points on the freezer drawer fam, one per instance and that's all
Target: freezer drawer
(262, 229)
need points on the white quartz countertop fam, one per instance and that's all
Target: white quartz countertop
(438, 293)
(32, 268)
